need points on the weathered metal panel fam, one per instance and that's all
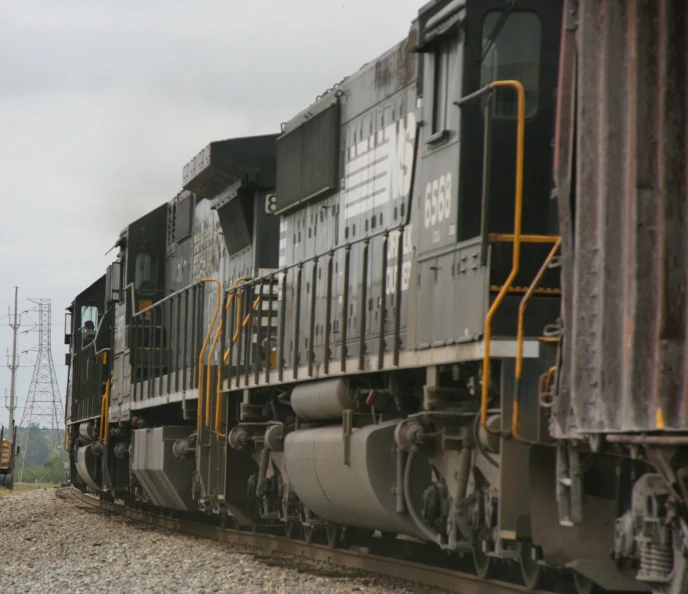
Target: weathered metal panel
(625, 264)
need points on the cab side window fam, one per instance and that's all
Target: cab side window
(511, 51)
(445, 88)
(146, 272)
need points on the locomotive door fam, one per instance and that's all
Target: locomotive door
(510, 44)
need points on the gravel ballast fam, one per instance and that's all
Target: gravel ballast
(50, 542)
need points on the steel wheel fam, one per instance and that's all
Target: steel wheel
(488, 568)
(535, 576)
(227, 521)
(293, 530)
(585, 585)
(333, 536)
(309, 534)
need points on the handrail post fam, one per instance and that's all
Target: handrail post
(239, 335)
(383, 303)
(134, 351)
(194, 341)
(257, 349)
(233, 329)
(297, 322)
(186, 339)
(487, 168)
(151, 340)
(311, 320)
(247, 337)
(345, 306)
(223, 338)
(177, 345)
(364, 308)
(282, 316)
(268, 358)
(168, 343)
(397, 296)
(159, 341)
(328, 316)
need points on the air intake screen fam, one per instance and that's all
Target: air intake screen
(308, 160)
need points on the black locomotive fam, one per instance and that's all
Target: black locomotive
(357, 328)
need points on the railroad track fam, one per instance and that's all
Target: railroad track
(454, 581)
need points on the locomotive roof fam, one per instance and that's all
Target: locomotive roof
(383, 76)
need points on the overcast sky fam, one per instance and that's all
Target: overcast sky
(103, 102)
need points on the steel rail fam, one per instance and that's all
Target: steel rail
(430, 575)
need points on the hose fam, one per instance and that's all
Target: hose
(481, 447)
(429, 534)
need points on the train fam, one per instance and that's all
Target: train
(8, 454)
(444, 303)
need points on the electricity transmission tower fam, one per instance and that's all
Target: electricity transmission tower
(43, 403)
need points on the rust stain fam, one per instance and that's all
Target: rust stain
(631, 219)
(383, 72)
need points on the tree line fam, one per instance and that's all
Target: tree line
(43, 457)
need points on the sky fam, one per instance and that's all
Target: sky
(102, 103)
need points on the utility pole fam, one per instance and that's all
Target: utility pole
(13, 364)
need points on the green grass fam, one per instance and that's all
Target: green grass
(24, 487)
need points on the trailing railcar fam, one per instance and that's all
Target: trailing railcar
(354, 329)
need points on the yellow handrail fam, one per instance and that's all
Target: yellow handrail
(508, 238)
(515, 417)
(210, 355)
(218, 405)
(199, 413)
(518, 209)
(105, 412)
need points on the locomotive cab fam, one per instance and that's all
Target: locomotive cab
(468, 160)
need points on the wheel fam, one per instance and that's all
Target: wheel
(585, 585)
(225, 521)
(293, 530)
(333, 536)
(309, 534)
(488, 568)
(536, 576)
(313, 535)
(9, 481)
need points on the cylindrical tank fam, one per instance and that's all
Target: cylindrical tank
(321, 401)
(85, 466)
(87, 430)
(360, 494)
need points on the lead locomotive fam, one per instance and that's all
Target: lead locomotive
(355, 328)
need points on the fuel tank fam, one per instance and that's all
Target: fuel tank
(321, 401)
(360, 494)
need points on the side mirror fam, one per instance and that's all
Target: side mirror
(18, 450)
(68, 327)
(68, 359)
(113, 282)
